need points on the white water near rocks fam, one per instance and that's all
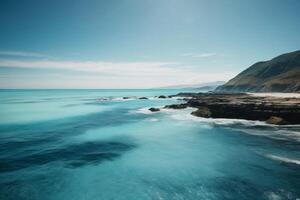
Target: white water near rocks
(93, 144)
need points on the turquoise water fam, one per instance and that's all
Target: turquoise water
(92, 144)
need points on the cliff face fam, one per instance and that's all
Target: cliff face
(281, 74)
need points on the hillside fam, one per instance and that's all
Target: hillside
(200, 86)
(281, 74)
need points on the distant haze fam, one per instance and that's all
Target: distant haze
(199, 85)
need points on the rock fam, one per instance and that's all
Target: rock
(126, 97)
(202, 112)
(154, 109)
(243, 106)
(143, 98)
(162, 97)
(176, 106)
(276, 120)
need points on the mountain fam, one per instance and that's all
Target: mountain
(208, 88)
(201, 86)
(281, 74)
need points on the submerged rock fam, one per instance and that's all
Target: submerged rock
(202, 112)
(162, 97)
(143, 98)
(276, 120)
(154, 109)
(176, 106)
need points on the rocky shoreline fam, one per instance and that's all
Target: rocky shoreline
(273, 110)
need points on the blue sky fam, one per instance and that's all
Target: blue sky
(139, 43)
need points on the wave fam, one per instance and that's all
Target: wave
(278, 195)
(161, 99)
(250, 127)
(136, 98)
(144, 110)
(278, 134)
(283, 159)
(118, 99)
(153, 120)
(123, 99)
(185, 114)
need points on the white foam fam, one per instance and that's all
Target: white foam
(223, 121)
(283, 159)
(158, 99)
(122, 99)
(105, 99)
(273, 196)
(258, 128)
(184, 114)
(273, 133)
(153, 120)
(145, 111)
(181, 98)
(117, 98)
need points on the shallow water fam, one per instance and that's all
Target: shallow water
(92, 144)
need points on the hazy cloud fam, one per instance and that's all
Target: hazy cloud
(111, 74)
(24, 54)
(199, 55)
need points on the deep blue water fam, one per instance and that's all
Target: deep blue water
(92, 144)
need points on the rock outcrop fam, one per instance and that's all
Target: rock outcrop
(154, 109)
(276, 120)
(176, 106)
(162, 97)
(273, 110)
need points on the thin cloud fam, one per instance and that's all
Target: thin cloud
(110, 74)
(117, 68)
(24, 54)
(199, 55)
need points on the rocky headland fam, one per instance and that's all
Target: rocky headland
(280, 74)
(271, 109)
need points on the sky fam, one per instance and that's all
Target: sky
(139, 43)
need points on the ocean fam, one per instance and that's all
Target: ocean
(94, 144)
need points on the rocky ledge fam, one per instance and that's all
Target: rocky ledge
(273, 110)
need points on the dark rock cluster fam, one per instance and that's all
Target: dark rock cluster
(176, 106)
(162, 97)
(154, 109)
(273, 110)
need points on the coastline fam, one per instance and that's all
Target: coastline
(272, 108)
(276, 94)
(117, 137)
